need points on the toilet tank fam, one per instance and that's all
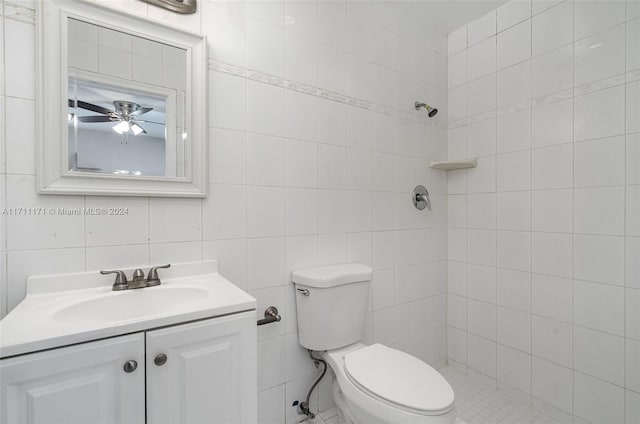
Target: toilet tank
(331, 303)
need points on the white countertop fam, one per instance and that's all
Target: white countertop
(45, 318)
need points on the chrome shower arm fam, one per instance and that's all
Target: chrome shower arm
(432, 111)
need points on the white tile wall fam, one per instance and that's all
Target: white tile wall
(551, 292)
(481, 29)
(481, 59)
(300, 174)
(550, 88)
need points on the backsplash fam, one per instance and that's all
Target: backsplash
(314, 149)
(543, 236)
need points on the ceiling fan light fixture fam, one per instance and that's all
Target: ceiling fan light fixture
(125, 114)
(137, 129)
(121, 127)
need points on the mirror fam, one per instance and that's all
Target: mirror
(122, 107)
(125, 97)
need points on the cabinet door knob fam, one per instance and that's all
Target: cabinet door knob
(130, 366)
(160, 359)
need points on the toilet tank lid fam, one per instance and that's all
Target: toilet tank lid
(332, 275)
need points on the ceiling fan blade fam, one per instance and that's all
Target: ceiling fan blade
(91, 107)
(149, 122)
(141, 111)
(90, 119)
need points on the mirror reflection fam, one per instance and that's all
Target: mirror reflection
(125, 103)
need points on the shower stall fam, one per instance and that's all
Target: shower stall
(543, 289)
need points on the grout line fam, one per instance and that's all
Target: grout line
(531, 376)
(466, 217)
(624, 243)
(573, 211)
(495, 190)
(148, 242)
(4, 256)
(84, 232)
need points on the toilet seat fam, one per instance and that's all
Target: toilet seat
(361, 406)
(399, 379)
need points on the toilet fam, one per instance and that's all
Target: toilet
(373, 384)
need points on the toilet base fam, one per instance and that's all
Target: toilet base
(338, 398)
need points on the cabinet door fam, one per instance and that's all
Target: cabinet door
(85, 383)
(209, 375)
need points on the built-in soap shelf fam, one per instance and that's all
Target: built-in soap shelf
(454, 164)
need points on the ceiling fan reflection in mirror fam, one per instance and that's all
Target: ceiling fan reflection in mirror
(125, 116)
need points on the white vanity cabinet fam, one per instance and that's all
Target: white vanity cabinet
(207, 375)
(84, 384)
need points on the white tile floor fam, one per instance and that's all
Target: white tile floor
(476, 403)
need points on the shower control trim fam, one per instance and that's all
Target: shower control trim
(420, 198)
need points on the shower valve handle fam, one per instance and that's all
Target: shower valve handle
(421, 198)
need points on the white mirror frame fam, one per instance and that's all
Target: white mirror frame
(54, 176)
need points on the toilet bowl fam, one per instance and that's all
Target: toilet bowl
(373, 384)
(379, 385)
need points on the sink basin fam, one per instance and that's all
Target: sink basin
(65, 309)
(130, 304)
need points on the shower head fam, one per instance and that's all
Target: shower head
(430, 110)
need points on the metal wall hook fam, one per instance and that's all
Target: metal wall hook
(270, 315)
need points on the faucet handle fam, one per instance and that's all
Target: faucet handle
(121, 282)
(152, 277)
(138, 275)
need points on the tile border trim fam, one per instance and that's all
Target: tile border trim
(258, 76)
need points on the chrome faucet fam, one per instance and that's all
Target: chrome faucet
(138, 281)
